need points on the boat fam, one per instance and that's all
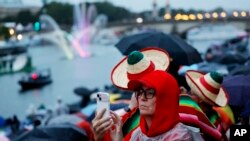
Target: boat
(36, 79)
(14, 57)
(12, 48)
(15, 63)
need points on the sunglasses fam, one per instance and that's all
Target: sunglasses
(148, 93)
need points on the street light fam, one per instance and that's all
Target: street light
(200, 16)
(223, 14)
(167, 16)
(192, 17)
(185, 17)
(215, 15)
(139, 20)
(243, 14)
(19, 37)
(11, 31)
(177, 17)
(235, 14)
(207, 15)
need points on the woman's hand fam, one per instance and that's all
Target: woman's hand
(101, 125)
(116, 130)
(183, 90)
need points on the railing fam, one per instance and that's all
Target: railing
(148, 22)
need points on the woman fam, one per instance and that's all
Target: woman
(133, 66)
(157, 94)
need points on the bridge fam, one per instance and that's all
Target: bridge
(181, 27)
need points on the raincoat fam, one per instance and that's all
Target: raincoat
(165, 122)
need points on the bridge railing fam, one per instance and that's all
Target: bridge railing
(150, 22)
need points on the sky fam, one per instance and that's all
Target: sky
(142, 5)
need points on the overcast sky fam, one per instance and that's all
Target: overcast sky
(141, 5)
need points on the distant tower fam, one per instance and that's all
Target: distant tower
(155, 10)
(167, 15)
(167, 9)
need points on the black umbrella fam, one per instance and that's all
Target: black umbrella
(232, 58)
(83, 91)
(241, 70)
(65, 132)
(238, 88)
(85, 94)
(181, 52)
(209, 67)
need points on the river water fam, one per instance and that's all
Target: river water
(92, 72)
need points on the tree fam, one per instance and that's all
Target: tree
(8, 19)
(24, 17)
(61, 12)
(4, 33)
(218, 10)
(177, 11)
(162, 12)
(114, 13)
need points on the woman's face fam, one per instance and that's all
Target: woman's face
(146, 100)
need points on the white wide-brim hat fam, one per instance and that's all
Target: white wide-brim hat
(205, 87)
(153, 59)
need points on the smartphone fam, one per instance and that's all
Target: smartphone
(102, 99)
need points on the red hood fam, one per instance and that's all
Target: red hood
(167, 102)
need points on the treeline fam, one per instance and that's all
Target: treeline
(63, 13)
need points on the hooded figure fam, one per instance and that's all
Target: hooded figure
(207, 90)
(157, 94)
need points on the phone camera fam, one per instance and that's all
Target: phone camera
(98, 95)
(100, 98)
